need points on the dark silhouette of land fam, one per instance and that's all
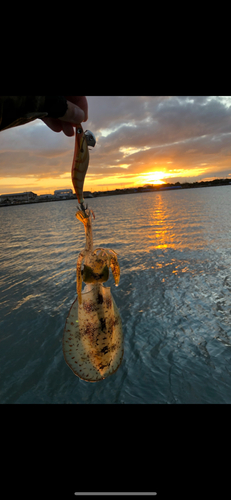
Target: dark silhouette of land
(146, 188)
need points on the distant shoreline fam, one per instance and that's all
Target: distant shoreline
(116, 192)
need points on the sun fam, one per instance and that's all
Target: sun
(152, 178)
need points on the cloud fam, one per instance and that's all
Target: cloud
(179, 129)
(34, 149)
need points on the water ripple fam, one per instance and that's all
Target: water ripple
(174, 298)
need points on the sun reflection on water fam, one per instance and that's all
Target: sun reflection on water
(177, 223)
(162, 231)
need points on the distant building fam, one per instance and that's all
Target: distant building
(87, 194)
(14, 197)
(63, 193)
(45, 196)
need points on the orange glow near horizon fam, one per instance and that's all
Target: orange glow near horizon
(151, 178)
(46, 185)
(94, 182)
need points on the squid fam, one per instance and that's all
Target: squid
(93, 336)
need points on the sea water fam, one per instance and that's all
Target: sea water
(174, 297)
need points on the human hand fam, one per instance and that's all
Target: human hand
(76, 113)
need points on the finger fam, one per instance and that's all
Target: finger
(58, 125)
(74, 114)
(81, 102)
(67, 129)
(53, 124)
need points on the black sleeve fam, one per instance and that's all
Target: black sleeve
(17, 110)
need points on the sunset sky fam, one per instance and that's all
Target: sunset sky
(140, 140)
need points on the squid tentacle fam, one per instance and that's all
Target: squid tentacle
(115, 267)
(79, 275)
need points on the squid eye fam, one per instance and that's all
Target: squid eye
(79, 130)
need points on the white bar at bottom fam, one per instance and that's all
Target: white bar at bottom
(117, 493)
